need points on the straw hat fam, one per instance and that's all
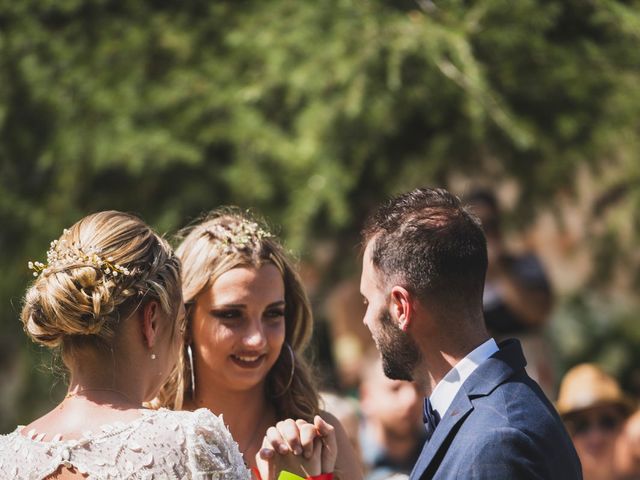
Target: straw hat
(587, 386)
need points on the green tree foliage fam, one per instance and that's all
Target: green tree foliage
(309, 112)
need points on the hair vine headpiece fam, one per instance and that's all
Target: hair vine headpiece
(237, 236)
(62, 254)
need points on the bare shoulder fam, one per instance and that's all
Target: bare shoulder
(347, 463)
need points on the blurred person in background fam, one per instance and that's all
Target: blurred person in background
(593, 408)
(346, 410)
(248, 324)
(517, 298)
(350, 338)
(392, 433)
(628, 449)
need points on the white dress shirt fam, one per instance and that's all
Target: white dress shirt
(448, 387)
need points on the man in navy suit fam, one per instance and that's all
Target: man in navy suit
(424, 266)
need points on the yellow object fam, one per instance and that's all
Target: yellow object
(284, 475)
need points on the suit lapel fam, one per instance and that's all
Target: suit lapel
(491, 373)
(496, 370)
(456, 413)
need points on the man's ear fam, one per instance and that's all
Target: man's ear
(150, 322)
(401, 307)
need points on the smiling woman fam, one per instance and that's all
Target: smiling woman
(238, 329)
(248, 324)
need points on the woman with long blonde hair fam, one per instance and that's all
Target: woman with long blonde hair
(248, 324)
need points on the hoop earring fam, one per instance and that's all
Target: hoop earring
(293, 369)
(191, 371)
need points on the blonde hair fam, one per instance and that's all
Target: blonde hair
(78, 304)
(227, 239)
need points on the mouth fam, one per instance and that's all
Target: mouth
(248, 361)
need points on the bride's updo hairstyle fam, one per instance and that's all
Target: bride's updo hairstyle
(96, 275)
(228, 238)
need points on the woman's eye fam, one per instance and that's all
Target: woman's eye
(274, 313)
(227, 314)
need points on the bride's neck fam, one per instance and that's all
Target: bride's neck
(90, 375)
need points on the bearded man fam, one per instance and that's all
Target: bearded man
(424, 266)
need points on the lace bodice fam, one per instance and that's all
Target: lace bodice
(160, 444)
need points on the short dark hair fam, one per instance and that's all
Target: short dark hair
(431, 243)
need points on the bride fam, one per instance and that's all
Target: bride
(109, 298)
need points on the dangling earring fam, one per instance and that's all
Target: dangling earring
(193, 375)
(293, 369)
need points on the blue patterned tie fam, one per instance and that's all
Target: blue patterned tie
(431, 418)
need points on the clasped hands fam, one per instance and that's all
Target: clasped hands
(296, 446)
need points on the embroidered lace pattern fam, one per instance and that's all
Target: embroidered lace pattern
(161, 444)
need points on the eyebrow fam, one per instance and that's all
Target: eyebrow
(279, 303)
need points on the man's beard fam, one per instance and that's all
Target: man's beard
(400, 353)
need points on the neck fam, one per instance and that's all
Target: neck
(443, 350)
(103, 396)
(90, 379)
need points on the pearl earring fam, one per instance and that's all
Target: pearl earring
(153, 356)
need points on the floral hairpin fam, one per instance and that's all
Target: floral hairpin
(62, 254)
(237, 236)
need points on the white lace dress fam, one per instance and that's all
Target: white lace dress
(160, 444)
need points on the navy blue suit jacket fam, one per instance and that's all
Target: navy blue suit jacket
(500, 426)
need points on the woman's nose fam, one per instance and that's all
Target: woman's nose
(254, 336)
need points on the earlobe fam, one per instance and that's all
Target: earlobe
(401, 305)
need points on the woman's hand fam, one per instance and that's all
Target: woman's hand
(299, 447)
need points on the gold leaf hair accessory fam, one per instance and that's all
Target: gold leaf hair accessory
(63, 254)
(234, 237)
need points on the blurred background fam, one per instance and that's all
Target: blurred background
(312, 113)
